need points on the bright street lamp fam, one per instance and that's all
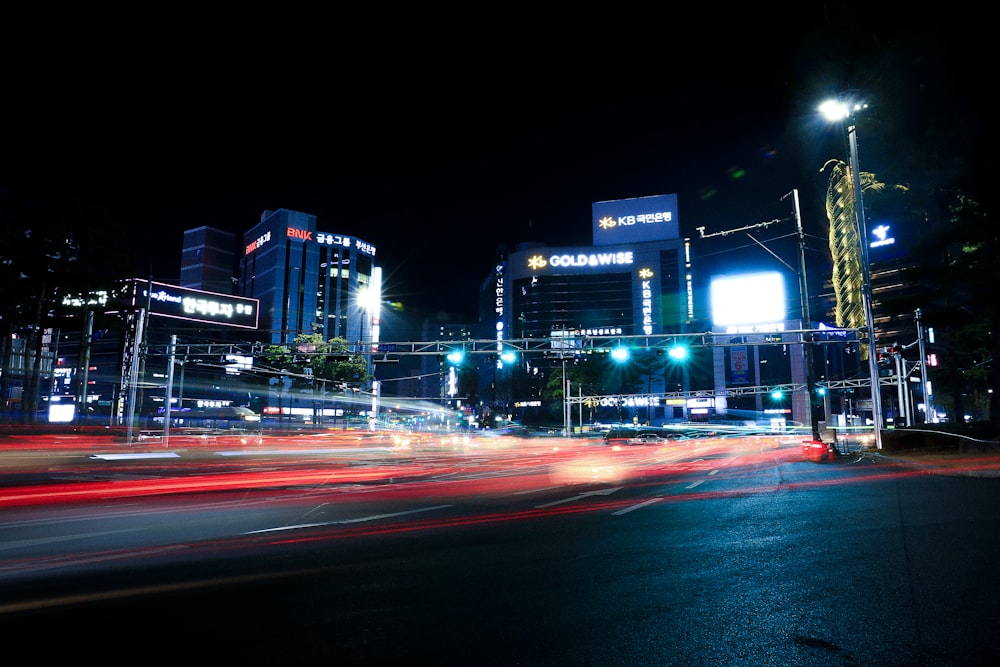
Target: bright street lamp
(835, 110)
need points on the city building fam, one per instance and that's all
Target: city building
(208, 260)
(896, 300)
(309, 280)
(634, 280)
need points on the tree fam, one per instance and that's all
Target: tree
(48, 253)
(845, 245)
(955, 265)
(309, 358)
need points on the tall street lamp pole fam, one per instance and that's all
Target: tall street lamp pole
(841, 111)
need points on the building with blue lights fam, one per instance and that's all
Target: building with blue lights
(634, 280)
(310, 281)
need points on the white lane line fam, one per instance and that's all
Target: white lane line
(146, 455)
(299, 452)
(544, 488)
(373, 517)
(694, 484)
(599, 492)
(61, 538)
(635, 507)
(713, 472)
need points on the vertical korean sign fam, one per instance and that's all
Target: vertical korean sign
(739, 365)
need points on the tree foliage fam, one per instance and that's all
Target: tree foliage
(310, 358)
(49, 252)
(955, 266)
(845, 245)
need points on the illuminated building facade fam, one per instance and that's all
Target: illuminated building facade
(895, 300)
(635, 279)
(310, 281)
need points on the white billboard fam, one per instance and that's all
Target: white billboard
(752, 298)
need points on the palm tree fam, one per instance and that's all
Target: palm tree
(845, 246)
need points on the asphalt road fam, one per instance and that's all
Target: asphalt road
(705, 555)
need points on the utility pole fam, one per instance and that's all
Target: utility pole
(83, 370)
(170, 390)
(924, 382)
(806, 318)
(803, 296)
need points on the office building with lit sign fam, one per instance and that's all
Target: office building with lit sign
(635, 279)
(310, 280)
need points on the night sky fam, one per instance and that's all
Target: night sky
(441, 139)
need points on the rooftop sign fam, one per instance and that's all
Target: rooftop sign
(636, 220)
(184, 303)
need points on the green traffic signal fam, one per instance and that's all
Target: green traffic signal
(678, 352)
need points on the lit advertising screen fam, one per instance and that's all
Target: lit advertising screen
(194, 305)
(752, 298)
(636, 220)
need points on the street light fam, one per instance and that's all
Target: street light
(835, 110)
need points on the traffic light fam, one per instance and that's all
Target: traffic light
(678, 352)
(455, 357)
(886, 363)
(620, 354)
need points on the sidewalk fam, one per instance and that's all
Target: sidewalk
(943, 462)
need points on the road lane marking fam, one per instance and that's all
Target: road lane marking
(599, 492)
(143, 455)
(694, 484)
(373, 517)
(539, 490)
(300, 452)
(16, 544)
(635, 507)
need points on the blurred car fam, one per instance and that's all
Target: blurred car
(597, 468)
(617, 437)
(624, 436)
(647, 438)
